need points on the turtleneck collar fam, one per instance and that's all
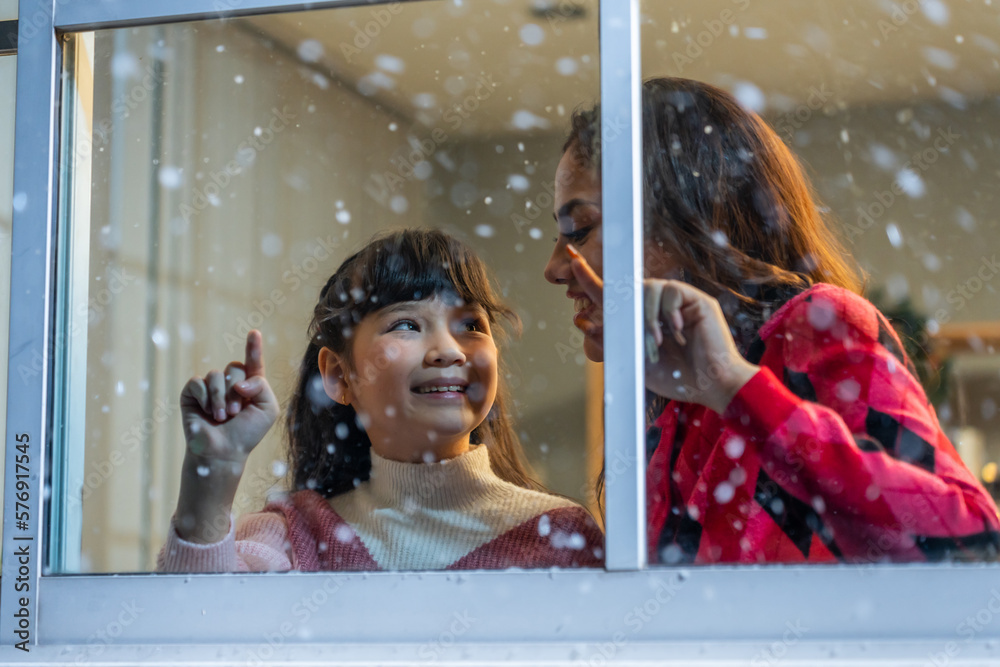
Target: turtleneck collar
(448, 484)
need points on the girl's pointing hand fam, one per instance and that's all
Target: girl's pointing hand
(226, 414)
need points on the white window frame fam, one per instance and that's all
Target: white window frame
(892, 614)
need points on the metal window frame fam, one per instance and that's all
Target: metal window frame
(8, 37)
(723, 615)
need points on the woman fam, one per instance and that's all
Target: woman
(788, 423)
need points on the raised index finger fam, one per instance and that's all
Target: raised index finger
(254, 363)
(586, 276)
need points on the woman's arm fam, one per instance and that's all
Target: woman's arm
(859, 443)
(848, 430)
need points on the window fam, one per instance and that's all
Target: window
(339, 135)
(627, 612)
(889, 111)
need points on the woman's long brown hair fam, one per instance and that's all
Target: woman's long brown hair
(727, 199)
(329, 451)
(728, 202)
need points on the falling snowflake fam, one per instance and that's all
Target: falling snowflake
(724, 492)
(310, 50)
(567, 66)
(170, 177)
(532, 34)
(271, 245)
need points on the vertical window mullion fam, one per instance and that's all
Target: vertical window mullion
(29, 358)
(621, 155)
(71, 312)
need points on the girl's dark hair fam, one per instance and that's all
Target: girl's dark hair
(726, 199)
(729, 202)
(329, 451)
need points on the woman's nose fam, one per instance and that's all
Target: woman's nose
(557, 271)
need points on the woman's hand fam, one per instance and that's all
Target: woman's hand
(697, 360)
(226, 414)
(690, 354)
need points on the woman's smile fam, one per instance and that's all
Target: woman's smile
(586, 316)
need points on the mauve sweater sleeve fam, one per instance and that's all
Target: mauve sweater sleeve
(255, 543)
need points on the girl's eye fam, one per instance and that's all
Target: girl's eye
(474, 325)
(404, 325)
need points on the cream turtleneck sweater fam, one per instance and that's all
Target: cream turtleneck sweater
(456, 514)
(425, 516)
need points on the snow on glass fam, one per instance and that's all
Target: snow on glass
(478, 192)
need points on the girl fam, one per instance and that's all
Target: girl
(787, 422)
(402, 450)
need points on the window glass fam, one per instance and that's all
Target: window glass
(221, 171)
(8, 10)
(891, 110)
(8, 84)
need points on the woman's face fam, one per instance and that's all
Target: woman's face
(579, 221)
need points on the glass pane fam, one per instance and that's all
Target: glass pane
(8, 87)
(8, 10)
(843, 448)
(220, 173)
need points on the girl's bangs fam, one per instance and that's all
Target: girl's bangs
(413, 267)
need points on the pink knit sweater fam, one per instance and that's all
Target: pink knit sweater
(514, 527)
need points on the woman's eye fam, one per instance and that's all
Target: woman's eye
(579, 235)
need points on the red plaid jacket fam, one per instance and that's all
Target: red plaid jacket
(830, 453)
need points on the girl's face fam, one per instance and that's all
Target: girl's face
(424, 376)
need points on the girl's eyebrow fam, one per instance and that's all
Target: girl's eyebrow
(475, 309)
(568, 207)
(404, 306)
(399, 306)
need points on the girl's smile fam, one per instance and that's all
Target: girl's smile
(423, 375)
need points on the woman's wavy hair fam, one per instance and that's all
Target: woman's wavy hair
(729, 203)
(329, 451)
(727, 199)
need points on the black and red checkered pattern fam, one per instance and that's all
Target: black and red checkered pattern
(830, 453)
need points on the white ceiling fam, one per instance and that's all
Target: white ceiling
(425, 58)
